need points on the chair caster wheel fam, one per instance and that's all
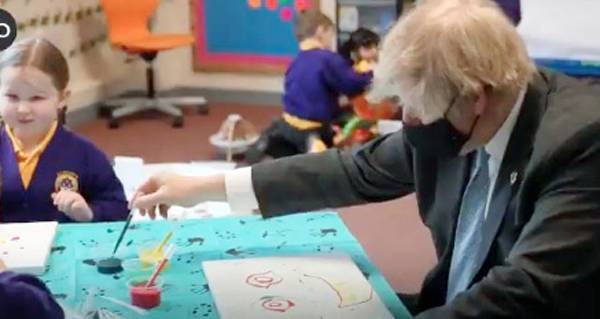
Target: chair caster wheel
(104, 111)
(178, 122)
(113, 123)
(203, 109)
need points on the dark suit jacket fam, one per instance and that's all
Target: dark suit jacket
(541, 255)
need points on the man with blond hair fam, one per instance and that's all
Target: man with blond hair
(504, 160)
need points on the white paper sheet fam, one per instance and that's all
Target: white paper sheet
(324, 286)
(25, 247)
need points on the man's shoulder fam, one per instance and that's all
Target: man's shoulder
(571, 118)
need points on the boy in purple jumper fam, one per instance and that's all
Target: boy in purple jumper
(314, 81)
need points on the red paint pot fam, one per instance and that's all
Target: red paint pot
(142, 296)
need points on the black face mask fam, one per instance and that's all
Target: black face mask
(438, 139)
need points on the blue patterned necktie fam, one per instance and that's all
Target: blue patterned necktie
(469, 228)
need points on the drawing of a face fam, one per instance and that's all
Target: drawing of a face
(276, 303)
(303, 287)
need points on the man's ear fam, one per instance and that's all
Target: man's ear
(482, 100)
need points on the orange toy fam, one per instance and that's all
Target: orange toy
(372, 112)
(359, 128)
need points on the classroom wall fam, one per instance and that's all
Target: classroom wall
(97, 70)
(175, 68)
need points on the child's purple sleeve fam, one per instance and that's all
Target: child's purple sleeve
(104, 192)
(26, 297)
(340, 75)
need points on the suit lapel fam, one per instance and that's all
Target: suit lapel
(516, 157)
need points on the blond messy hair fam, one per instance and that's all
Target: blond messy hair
(444, 49)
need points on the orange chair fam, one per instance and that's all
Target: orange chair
(128, 22)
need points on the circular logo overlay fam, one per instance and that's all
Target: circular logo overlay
(8, 29)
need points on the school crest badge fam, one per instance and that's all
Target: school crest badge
(66, 180)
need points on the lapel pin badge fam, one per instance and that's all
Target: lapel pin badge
(513, 177)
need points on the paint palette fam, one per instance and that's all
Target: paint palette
(25, 247)
(315, 286)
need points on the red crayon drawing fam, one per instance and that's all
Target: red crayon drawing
(263, 280)
(276, 303)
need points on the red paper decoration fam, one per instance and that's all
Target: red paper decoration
(286, 14)
(272, 4)
(302, 5)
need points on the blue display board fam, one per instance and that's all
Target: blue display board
(246, 35)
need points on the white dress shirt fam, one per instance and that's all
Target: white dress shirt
(496, 147)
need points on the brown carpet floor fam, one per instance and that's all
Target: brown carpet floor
(391, 232)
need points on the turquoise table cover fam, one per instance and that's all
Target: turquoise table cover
(72, 275)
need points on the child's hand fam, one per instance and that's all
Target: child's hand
(2, 266)
(73, 205)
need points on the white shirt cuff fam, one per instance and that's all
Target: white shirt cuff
(240, 192)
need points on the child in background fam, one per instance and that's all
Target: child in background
(361, 49)
(48, 172)
(313, 83)
(26, 297)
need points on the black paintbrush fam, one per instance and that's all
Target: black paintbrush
(129, 218)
